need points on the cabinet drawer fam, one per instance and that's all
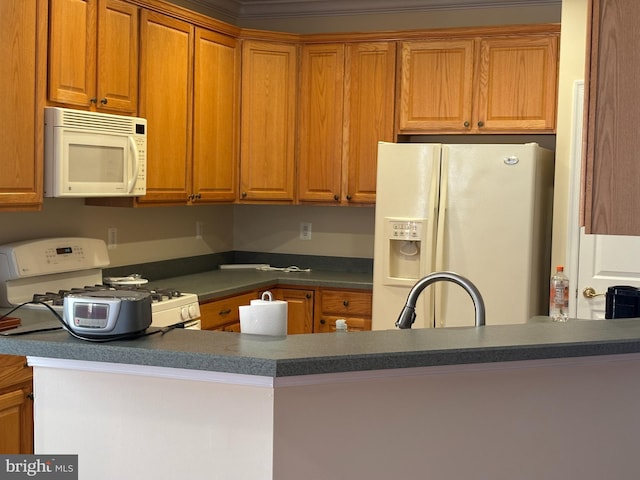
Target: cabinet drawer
(345, 303)
(218, 313)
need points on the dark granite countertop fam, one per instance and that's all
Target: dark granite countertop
(335, 352)
(219, 283)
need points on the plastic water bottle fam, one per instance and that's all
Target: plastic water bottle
(559, 296)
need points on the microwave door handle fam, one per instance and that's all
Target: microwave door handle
(136, 163)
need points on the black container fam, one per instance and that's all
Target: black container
(622, 302)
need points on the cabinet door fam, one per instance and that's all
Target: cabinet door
(269, 83)
(16, 405)
(517, 84)
(321, 123)
(611, 197)
(166, 51)
(117, 77)
(436, 86)
(23, 30)
(353, 306)
(299, 308)
(369, 107)
(216, 117)
(72, 51)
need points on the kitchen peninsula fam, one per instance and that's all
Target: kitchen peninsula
(537, 400)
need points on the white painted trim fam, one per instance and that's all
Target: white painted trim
(573, 214)
(318, 379)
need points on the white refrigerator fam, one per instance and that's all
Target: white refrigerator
(482, 211)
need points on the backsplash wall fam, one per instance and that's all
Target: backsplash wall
(143, 234)
(162, 233)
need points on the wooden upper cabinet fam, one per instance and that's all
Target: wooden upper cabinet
(321, 123)
(436, 85)
(487, 84)
(93, 54)
(369, 101)
(611, 196)
(517, 84)
(23, 30)
(346, 105)
(166, 56)
(268, 120)
(216, 117)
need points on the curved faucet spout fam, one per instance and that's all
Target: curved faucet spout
(408, 314)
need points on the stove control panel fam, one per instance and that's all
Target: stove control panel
(51, 256)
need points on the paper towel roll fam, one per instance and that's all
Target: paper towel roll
(264, 318)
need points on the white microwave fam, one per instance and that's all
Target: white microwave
(90, 154)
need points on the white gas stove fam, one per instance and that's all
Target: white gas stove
(45, 270)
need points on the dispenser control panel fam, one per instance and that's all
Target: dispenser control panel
(406, 229)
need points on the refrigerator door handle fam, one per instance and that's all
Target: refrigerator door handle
(440, 233)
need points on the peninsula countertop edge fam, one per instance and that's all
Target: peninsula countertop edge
(311, 354)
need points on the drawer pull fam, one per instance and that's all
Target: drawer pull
(345, 303)
(225, 312)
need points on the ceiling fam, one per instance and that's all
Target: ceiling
(246, 9)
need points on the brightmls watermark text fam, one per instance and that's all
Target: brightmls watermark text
(51, 467)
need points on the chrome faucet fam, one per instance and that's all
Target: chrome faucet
(408, 314)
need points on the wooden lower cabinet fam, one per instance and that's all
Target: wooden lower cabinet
(310, 310)
(352, 305)
(223, 314)
(299, 308)
(16, 405)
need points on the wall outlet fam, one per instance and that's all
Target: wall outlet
(305, 230)
(112, 238)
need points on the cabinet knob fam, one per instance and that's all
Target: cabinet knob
(345, 303)
(481, 123)
(349, 197)
(322, 321)
(336, 197)
(244, 194)
(467, 124)
(93, 100)
(308, 295)
(103, 101)
(30, 396)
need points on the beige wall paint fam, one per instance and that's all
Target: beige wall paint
(572, 65)
(335, 231)
(144, 234)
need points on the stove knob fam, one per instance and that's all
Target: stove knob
(194, 310)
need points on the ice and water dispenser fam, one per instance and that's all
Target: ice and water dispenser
(404, 250)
